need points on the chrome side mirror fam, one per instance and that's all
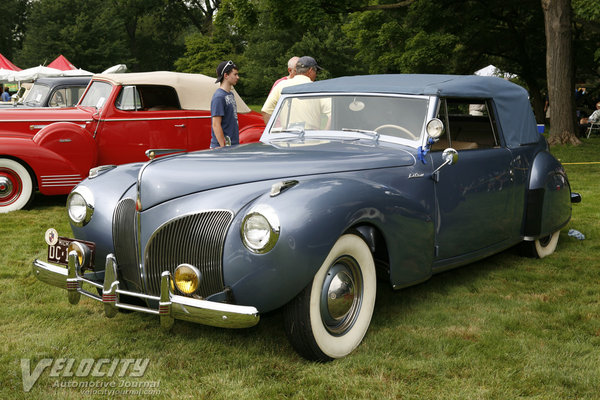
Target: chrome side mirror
(450, 157)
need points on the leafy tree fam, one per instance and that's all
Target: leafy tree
(559, 66)
(12, 29)
(87, 33)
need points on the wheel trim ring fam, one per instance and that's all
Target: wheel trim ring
(338, 326)
(545, 241)
(12, 181)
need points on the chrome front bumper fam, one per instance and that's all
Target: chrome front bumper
(171, 306)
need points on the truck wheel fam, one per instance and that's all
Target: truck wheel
(330, 317)
(541, 247)
(16, 186)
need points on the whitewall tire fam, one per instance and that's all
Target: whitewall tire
(16, 186)
(330, 317)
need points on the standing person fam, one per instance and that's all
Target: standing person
(6, 95)
(306, 72)
(291, 71)
(223, 110)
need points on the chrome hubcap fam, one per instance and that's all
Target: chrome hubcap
(341, 296)
(10, 187)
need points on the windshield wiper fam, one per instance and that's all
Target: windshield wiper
(371, 134)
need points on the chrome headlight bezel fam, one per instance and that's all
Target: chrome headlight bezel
(80, 206)
(260, 229)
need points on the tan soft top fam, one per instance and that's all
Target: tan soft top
(194, 90)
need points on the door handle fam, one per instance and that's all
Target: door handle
(180, 126)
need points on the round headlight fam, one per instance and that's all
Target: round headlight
(435, 128)
(187, 278)
(80, 205)
(260, 229)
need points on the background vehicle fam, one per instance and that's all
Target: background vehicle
(119, 117)
(355, 178)
(53, 92)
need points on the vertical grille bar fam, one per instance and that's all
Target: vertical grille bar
(194, 239)
(124, 241)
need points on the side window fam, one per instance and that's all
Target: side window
(58, 98)
(129, 99)
(470, 124)
(158, 98)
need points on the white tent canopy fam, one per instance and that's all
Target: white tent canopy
(115, 69)
(492, 70)
(77, 72)
(31, 74)
(5, 74)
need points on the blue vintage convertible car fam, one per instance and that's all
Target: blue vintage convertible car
(396, 177)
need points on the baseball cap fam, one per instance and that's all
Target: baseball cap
(308, 62)
(223, 68)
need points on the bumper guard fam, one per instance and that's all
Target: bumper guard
(171, 306)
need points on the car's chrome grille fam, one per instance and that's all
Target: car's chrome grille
(194, 239)
(124, 240)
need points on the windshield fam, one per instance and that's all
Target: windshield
(96, 95)
(398, 117)
(36, 95)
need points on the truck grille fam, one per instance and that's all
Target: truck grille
(195, 239)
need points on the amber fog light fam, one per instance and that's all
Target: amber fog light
(187, 278)
(83, 253)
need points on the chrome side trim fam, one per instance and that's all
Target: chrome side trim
(171, 306)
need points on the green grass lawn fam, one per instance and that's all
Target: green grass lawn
(506, 327)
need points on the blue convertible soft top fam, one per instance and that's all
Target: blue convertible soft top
(513, 109)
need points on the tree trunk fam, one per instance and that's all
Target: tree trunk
(559, 72)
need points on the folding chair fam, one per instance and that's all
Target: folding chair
(593, 128)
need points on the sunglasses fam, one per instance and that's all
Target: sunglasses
(229, 63)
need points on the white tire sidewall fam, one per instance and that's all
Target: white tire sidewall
(340, 346)
(27, 185)
(543, 251)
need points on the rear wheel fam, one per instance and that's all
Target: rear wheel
(16, 186)
(330, 317)
(541, 247)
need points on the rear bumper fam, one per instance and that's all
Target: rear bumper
(171, 306)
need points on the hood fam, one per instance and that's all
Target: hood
(174, 176)
(42, 114)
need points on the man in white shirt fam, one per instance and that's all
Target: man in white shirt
(306, 72)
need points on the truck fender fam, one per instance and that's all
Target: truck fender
(71, 141)
(548, 197)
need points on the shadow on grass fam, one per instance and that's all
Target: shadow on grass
(43, 202)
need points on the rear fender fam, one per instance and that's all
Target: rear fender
(72, 142)
(548, 197)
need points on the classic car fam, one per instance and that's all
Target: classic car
(117, 119)
(354, 179)
(62, 91)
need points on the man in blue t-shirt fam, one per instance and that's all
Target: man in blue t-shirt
(223, 110)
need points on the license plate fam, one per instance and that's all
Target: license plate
(59, 252)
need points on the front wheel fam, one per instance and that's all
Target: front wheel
(16, 186)
(541, 247)
(330, 317)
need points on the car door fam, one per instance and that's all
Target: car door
(143, 117)
(475, 198)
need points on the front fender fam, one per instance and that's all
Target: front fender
(548, 197)
(54, 173)
(72, 142)
(313, 215)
